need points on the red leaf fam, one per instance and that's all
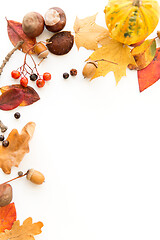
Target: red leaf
(7, 217)
(11, 99)
(151, 74)
(30, 95)
(16, 34)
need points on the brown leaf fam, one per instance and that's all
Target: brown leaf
(87, 33)
(11, 99)
(16, 34)
(18, 147)
(26, 231)
(29, 94)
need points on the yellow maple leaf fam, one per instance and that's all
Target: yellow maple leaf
(112, 56)
(18, 147)
(87, 33)
(26, 231)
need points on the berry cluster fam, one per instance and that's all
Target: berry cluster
(40, 81)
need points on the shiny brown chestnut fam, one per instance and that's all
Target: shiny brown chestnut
(55, 19)
(33, 24)
(5, 194)
(61, 43)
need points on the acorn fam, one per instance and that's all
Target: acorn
(35, 176)
(5, 194)
(41, 50)
(89, 69)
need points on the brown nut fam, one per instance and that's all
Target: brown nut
(35, 176)
(5, 194)
(61, 43)
(41, 50)
(33, 24)
(55, 19)
(89, 69)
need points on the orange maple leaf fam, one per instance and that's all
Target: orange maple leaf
(7, 217)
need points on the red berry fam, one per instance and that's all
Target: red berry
(40, 83)
(15, 74)
(46, 76)
(24, 81)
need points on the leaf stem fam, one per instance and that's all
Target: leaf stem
(105, 61)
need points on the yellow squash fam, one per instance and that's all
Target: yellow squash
(131, 21)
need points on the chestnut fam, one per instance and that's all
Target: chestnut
(33, 24)
(60, 43)
(5, 194)
(55, 19)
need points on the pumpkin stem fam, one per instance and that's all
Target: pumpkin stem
(137, 3)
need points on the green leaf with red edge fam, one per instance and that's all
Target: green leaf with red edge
(8, 216)
(11, 99)
(16, 34)
(151, 74)
(29, 94)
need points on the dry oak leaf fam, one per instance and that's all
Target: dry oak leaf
(117, 53)
(88, 33)
(8, 216)
(26, 231)
(18, 147)
(16, 34)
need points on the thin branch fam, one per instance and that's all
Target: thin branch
(9, 55)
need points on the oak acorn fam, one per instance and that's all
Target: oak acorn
(89, 69)
(35, 176)
(41, 50)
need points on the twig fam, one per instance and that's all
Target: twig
(15, 178)
(9, 55)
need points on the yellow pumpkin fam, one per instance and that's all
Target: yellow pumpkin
(131, 21)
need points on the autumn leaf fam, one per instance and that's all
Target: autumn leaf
(143, 54)
(26, 231)
(30, 96)
(88, 33)
(114, 52)
(16, 34)
(11, 99)
(149, 75)
(7, 217)
(18, 147)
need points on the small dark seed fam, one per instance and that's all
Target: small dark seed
(1, 138)
(20, 173)
(65, 75)
(73, 72)
(17, 115)
(33, 77)
(5, 143)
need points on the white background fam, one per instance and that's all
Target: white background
(96, 143)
